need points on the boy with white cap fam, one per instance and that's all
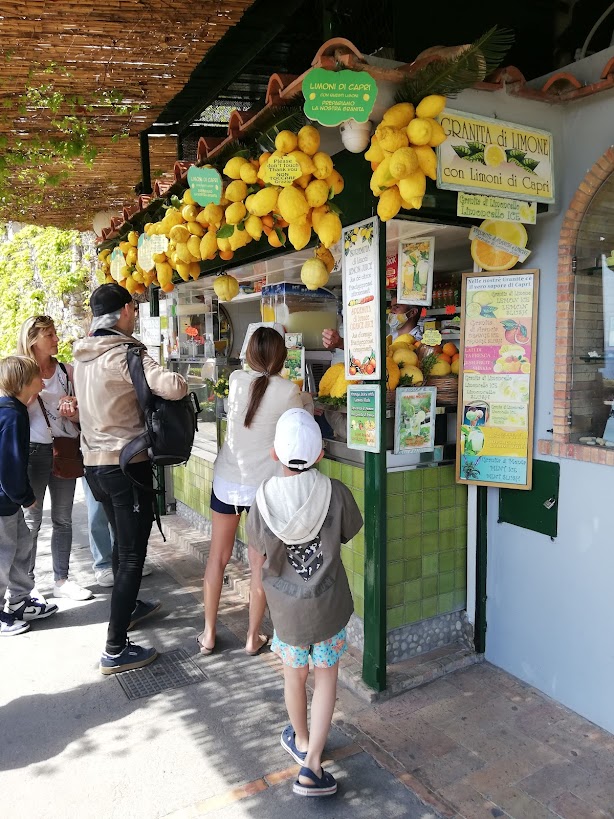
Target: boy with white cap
(297, 527)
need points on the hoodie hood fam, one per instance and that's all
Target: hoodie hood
(295, 508)
(90, 348)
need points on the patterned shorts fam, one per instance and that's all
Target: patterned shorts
(324, 654)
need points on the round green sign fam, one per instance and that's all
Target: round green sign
(332, 97)
(205, 185)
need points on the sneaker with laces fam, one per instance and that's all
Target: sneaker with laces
(71, 590)
(143, 609)
(105, 578)
(31, 609)
(10, 625)
(132, 656)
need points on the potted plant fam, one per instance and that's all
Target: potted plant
(220, 388)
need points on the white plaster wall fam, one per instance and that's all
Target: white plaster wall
(551, 603)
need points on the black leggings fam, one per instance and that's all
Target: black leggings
(130, 512)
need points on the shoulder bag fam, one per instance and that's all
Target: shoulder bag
(67, 457)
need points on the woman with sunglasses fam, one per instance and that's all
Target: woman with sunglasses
(55, 414)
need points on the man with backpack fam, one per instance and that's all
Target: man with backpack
(111, 419)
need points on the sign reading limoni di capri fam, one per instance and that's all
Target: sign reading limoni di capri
(482, 155)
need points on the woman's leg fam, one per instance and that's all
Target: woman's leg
(224, 529)
(62, 493)
(257, 605)
(101, 545)
(39, 473)
(295, 695)
(322, 707)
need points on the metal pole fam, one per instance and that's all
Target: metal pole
(145, 163)
(374, 656)
(480, 570)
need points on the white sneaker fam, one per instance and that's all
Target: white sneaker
(71, 590)
(105, 577)
(37, 595)
(147, 570)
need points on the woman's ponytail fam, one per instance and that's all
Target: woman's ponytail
(266, 355)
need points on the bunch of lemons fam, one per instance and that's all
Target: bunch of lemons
(402, 154)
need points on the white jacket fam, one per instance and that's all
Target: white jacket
(245, 455)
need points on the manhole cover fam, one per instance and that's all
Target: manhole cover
(171, 670)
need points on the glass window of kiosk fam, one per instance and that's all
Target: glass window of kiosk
(592, 386)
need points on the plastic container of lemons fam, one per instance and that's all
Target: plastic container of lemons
(300, 310)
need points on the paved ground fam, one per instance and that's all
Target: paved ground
(478, 743)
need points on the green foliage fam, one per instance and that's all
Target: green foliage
(37, 271)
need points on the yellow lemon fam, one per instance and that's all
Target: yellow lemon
(239, 239)
(285, 142)
(404, 358)
(309, 140)
(264, 201)
(412, 186)
(329, 229)
(399, 115)
(133, 238)
(325, 256)
(403, 162)
(420, 131)
(427, 160)
(189, 212)
(431, 106)
(184, 270)
(335, 181)
(299, 235)
(249, 174)
(314, 274)
(375, 152)
(236, 191)
(441, 368)
(317, 192)
(292, 204)
(253, 225)
(208, 246)
(226, 287)
(213, 214)
(389, 204)
(317, 214)
(196, 229)
(391, 139)
(232, 169)
(179, 233)
(235, 213)
(455, 367)
(438, 135)
(382, 178)
(494, 156)
(323, 165)
(187, 197)
(304, 160)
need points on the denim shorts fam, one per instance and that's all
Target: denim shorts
(225, 508)
(325, 654)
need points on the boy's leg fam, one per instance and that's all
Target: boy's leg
(322, 707)
(20, 584)
(295, 695)
(8, 550)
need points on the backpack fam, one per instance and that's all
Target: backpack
(170, 425)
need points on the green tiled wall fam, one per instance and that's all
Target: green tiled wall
(353, 552)
(192, 485)
(427, 532)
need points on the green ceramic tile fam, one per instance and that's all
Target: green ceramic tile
(358, 586)
(412, 525)
(429, 587)
(394, 595)
(346, 475)
(429, 608)
(413, 612)
(358, 544)
(445, 603)
(430, 521)
(395, 505)
(413, 591)
(460, 537)
(395, 549)
(430, 543)
(446, 582)
(460, 579)
(446, 496)
(460, 493)
(461, 515)
(460, 598)
(446, 540)
(446, 518)
(413, 569)
(429, 478)
(446, 562)
(460, 559)
(395, 483)
(430, 565)
(358, 563)
(358, 479)
(412, 547)
(430, 500)
(359, 497)
(413, 502)
(395, 528)
(395, 572)
(412, 480)
(446, 475)
(395, 617)
(359, 606)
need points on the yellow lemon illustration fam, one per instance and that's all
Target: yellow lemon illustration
(484, 297)
(474, 310)
(312, 96)
(494, 156)
(525, 368)
(365, 97)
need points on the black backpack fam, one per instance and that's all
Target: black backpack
(170, 425)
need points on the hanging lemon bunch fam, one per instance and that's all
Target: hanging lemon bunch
(402, 154)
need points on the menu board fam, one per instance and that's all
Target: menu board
(361, 308)
(495, 402)
(363, 424)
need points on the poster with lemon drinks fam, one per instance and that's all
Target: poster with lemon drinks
(495, 404)
(483, 155)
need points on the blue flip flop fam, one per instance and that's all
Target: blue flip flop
(325, 785)
(288, 743)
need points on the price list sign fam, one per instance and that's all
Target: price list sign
(496, 392)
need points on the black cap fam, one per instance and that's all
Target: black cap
(108, 298)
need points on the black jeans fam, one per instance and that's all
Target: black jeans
(130, 511)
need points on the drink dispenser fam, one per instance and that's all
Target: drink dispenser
(300, 310)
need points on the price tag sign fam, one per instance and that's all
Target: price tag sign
(147, 247)
(118, 260)
(282, 170)
(205, 185)
(431, 338)
(332, 97)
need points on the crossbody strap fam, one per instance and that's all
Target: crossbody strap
(40, 401)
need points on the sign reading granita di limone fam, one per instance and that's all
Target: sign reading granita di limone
(482, 155)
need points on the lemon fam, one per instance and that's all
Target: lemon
(404, 357)
(264, 158)
(195, 270)
(399, 115)
(133, 238)
(389, 204)
(249, 174)
(299, 235)
(184, 270)
(253, 225)
(375, 152)
(329, 229)
(419, 131)
(182, 251)
(226, 287)
(335, 181)
(264, 201)
(494, 156)
(189, 212)
(326, 256)
(213, 214)
(317, 192)
(438, 134)
(179, 233)
(323, 165)
(309, 140)
(236, 191)
(382, 178)
(285, 142)
(187, 198)
(314, 274)
(403, 162)
(208, 246)
(412, 186)
(404, 338)
(474, 310)
(196, 229)
(431, 106)
(303, 180)
(484, 297)
(235, 213)
(292, 204)
(441, 368)
(232, 169)
(455, 367)
(304, 160)
(427, 160)
(513, 232)
(239, 239)
(391, 139)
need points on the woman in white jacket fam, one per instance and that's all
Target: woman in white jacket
(256, 401)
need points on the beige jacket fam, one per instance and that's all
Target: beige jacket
(109, 413)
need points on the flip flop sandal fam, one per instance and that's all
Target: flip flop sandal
(259, 650)
(202, 647)
(288, 743)
(325, 785)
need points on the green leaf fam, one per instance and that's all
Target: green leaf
(509, 324)
(462, 151)
(280, 235)
(479, 157)
(225, 232)
(334, 208)
(241, 226)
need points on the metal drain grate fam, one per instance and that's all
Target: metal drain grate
(174, 669)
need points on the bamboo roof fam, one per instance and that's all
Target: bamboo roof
(145, 49)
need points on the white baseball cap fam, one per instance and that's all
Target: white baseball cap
(298, 440)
